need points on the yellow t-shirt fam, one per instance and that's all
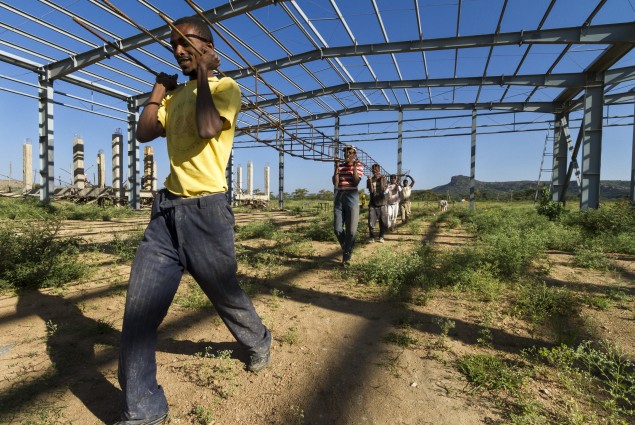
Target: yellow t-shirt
(197, 166)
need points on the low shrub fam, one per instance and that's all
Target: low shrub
(264, 229)
(615, 218)
(319, 229)
(124, 247)
(32, 255)
(549, 208)
(537, 302)
(491, 373)
(601, 371)
(395, 270)
(591, 256)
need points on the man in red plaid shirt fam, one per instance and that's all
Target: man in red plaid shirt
(346, 204)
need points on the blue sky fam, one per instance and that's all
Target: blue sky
(431, 161)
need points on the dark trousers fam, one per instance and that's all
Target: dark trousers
(193, 234)
(376, 214)
(345, 219)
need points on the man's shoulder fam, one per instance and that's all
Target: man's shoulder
(224, 81)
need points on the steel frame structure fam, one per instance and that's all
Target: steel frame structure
(289, 98)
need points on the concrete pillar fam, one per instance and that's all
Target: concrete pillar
(117, 148)
(473, 162)
(101, 169)
(239, 179)
(250, 178)
(592, 146)
(148, 168)
(27, 165)
(267, 188)
(79, 174)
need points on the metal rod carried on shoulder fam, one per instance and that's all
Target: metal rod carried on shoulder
(114, 46)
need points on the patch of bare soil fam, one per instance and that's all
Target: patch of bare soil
(333, 362)
(609, 312)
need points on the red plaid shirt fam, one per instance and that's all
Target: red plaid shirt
(346, 175)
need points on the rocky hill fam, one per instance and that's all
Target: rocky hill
(459, 187)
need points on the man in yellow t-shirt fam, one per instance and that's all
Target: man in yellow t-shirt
(191, 227)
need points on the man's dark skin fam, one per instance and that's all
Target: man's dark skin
(192, 64)
(377, 176)
(350, 157)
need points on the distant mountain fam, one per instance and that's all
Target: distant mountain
(459, 187)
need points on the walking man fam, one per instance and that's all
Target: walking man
(404, 198)
(376, 185)
(392, 192)
(346, 204)
(191, 226)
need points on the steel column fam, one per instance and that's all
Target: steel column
(336, 138)
(281, 169)
(592, 145)
(473, 162)
(229, 176)
(560, 149)
(399, 142)
(45, 116)
(133, 158)
(633, 166)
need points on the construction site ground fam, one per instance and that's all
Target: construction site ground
(333, 361)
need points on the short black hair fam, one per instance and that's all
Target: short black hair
(201, 26)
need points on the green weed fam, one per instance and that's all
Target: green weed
(276, 298)
(402, 339)
(32, 255)
(51, 328)
(214, 370)
(32, 209)
(202, 415)
(591, 257)
(395, 270)
(485, 339)
(319, 229)
(291, 336)
(124, 247)
(103, 327)
(193, 297)
(600, 302)
(293, 246)
(44, 413)
(537, 302)
(298, 415)
(512, 251)
(615, 218)
(549, 208)
(488, 372)
(445, 325)
(599, 373)
(263, 229)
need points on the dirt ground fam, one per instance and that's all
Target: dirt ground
(332, 359)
